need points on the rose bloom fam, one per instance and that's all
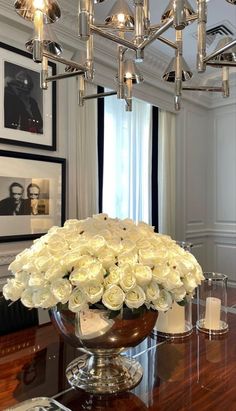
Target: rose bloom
(113, 298)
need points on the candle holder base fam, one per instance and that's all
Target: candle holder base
(173, 336)
(200, 325)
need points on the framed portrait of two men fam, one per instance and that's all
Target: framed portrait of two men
(29, 113)
(32, 195)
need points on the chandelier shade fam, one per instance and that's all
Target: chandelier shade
(228, 55)
(169, 10)
(27, 8)
(170, 72)
(131, 72)
(50, 42)
(120, 16)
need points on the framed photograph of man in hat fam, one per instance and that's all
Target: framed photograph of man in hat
(29, 113)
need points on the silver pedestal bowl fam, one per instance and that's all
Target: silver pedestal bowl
(103, 335)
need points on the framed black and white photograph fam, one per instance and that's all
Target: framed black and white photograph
(32, 195)
(29, 113)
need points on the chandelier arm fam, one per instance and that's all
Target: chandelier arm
(113, 37)
(201, 44)
(64, 75)
(167, 42)
(221, 63)
(59, 59)
(192, 17)
(154, 36)
(100, 95)
(203, 88)
(120, 87)
(220, 51)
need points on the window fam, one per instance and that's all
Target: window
(127, 160)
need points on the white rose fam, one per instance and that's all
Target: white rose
(37, 280)
(135, 298)
(43, 298)
(57, 245)
(54, 272)
(13, 289)
(160, 272)
(61, 290)
(148, 256)
(143, 275)
(101, 216)
(127, 278)
(20, 260)
(128, 246)
(95, 272)
(178, 293)
(113, 298)
(128, 258)
(79, 277)
(27, 298)
(22, 277)
(69, 260)
(172, 280)
(77, 301)
(115, 245)
(93, 292)
(85, 260)
(113, 277)
(96, 243)
(107, 257)
(189, 282)
(42, 263)
(163, 302)
(152, 291)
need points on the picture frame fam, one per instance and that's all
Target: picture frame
(32, 195)
(28, 117)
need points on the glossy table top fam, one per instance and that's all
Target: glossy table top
(188, 375)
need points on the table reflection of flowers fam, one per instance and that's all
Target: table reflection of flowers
(106, 263)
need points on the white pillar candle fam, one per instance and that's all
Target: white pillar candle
(212, 316)
(172, 321)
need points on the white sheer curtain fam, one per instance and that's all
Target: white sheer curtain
(127, 160)
(166, 173)
(86, 157)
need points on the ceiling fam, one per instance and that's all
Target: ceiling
(219, 12)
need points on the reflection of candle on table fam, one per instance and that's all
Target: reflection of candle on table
(212, 317)
(172, 321)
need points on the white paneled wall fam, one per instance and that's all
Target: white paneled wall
(208, 148)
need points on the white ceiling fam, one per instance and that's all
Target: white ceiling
(219, 12)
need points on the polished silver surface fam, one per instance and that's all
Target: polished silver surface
(170, 72)
(120, 16)
(104, 335)
(169, 11)
(26, 9)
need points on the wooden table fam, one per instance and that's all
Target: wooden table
(195, 374)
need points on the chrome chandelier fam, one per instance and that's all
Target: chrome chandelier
(130, 31)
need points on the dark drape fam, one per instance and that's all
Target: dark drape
(100, 126)
(155, 167)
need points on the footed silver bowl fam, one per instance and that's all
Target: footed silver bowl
(103, 335)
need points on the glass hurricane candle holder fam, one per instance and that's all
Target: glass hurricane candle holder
(212, 304)
(176, 322)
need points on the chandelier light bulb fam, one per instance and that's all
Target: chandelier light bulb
(39, 4)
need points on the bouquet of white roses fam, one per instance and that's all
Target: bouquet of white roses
(102, 260)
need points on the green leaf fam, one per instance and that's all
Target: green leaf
(183, 302)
